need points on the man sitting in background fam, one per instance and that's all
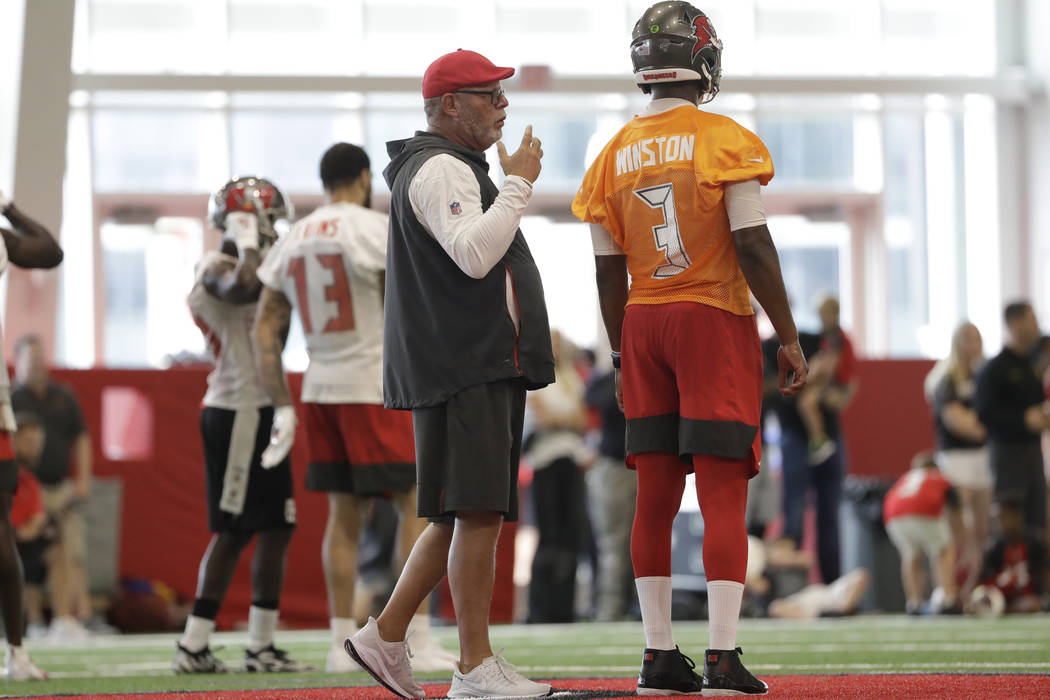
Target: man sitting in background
(1016, 561)
(30, 520)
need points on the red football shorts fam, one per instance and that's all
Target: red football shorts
(692, 381)
(7, 450)
(359, 448)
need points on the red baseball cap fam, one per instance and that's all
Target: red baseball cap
(460, 69)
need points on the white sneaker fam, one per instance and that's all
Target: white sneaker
(388, 662)
(19, 667)
(428, 654)
(495, 677)
(339, 661)
(67, 629)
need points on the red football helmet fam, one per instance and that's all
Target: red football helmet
(257, 195)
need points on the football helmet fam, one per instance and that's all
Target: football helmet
(674, 42)
(254, 194)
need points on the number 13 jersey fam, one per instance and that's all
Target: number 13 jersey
(656, 187)
(330, 267)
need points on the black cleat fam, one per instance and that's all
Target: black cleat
(202, 661)
(725, 675)
(668, 672)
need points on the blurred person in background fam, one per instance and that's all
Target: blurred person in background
(556, 452)
(247, 499)
(1041, 357)
(832, 381)
(1012, 405)
(798, 475)
(331, 270)
(1016, 562)
(32, 531)
(611, 492)
(26, 244)
(64, 490)
(922, 516)
(961, 452)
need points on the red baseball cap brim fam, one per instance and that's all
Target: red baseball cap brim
(458, 70)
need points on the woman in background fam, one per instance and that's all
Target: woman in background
(961, 453)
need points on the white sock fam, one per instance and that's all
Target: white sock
(342, 627)
(723, 612)
(654, 598)
(198, 629)
(261, 624)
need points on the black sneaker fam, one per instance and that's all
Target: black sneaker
(668, 672)
(272, 660)
(725, 675)
(202, 661)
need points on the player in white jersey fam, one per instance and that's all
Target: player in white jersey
(245, 500)
(331, 269)
(26, 244)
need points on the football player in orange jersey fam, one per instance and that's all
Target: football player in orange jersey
(673, 199)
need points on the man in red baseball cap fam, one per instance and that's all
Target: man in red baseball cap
(466, 335)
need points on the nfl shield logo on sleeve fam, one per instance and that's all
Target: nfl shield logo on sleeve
(455, 208)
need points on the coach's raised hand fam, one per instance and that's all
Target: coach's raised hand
(524, 162)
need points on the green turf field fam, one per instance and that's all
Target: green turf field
(850, 645)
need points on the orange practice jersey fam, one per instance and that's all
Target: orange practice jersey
(657, 188)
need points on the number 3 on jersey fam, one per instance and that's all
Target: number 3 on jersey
(666, 235)
(338, 291)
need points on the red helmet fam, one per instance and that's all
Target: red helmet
(257, 195)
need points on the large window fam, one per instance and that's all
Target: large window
(919, 255)
(398, 37)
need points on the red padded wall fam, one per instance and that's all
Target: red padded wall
(164, 521)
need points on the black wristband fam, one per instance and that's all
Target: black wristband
(615, 359)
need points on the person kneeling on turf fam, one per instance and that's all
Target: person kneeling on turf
(922, 515)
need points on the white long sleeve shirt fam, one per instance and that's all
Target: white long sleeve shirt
(446, 198)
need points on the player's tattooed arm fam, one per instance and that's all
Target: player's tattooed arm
(272, 321)
(235, 283)
(30, 244)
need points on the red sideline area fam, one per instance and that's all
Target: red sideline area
(145, 425)
(856, 686)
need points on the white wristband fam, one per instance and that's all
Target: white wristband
(243, 228)
(5, 201)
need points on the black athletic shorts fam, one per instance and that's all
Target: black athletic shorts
(467, 451)
(8, 465)
(242, 496)
(33, 564)
(8, 475)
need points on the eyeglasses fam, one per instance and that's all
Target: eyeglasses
(495, 95)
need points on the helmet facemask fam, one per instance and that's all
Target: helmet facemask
(258, 196)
